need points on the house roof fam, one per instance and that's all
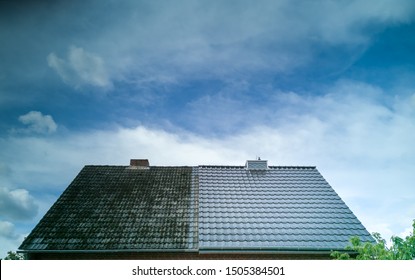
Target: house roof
(120, 208)
(281, 208)
(204, 208)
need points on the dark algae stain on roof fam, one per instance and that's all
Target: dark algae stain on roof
(116, 208)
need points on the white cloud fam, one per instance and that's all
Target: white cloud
(7, 230)
(407, 232)
(161, 42)
(344, 22)
(17, 204)
(10, 239)
(165, 42)
(39, 123)
(81, 68)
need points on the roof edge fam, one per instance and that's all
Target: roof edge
(316, 251)
(108, 251)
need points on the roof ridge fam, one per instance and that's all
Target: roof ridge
(212, 166)
(271, 167)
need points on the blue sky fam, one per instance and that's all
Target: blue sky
(323, 83)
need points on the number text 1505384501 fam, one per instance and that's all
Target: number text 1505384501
(252, 270)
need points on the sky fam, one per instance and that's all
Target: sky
(324, 83)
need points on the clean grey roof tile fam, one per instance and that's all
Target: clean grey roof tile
(278, 208)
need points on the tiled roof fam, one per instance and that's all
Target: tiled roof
(280, 208)
(196, 208)
(119, 208)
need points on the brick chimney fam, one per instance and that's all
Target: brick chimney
(139, 164)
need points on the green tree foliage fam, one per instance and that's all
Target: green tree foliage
(14, 256)
(400, 249)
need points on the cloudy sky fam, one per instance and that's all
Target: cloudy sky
(323, 83)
